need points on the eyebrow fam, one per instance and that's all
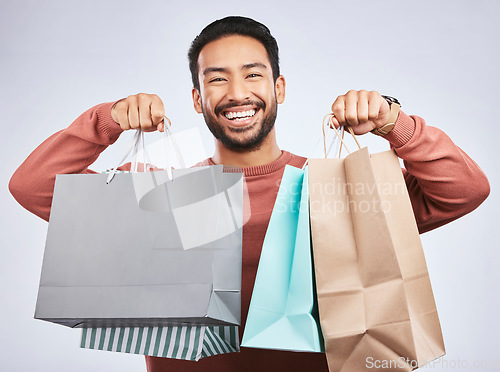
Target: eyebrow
(244, 67)
(252, 65)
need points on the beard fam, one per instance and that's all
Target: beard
(238, 139)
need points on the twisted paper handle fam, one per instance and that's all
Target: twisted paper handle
(327, 121)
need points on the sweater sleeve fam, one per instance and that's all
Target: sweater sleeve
(444, 183)
(68, 151)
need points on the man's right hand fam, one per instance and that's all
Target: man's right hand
(142, 110)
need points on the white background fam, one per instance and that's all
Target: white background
(440, 58)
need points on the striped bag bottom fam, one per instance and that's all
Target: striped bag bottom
(187, 343)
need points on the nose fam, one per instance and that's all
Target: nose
(238, 90)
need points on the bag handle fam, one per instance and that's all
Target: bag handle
(134, 167)
(130, 147)
(327, 121)
(334, 141)
(137, 142)
(167, 131)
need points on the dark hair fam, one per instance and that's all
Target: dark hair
(233, 25)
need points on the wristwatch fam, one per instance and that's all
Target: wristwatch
(393, 116)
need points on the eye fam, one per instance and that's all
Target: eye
(253, 75)
(215, 80)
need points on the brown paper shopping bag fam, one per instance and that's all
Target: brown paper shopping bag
(375, 300)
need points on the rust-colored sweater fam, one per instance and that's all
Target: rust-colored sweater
(443, 182)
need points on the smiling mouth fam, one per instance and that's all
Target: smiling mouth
(240, 115)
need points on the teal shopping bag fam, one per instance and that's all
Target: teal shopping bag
(283, 300)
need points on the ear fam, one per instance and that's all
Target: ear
(196, 100)
(280, 89)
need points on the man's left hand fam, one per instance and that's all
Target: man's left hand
(362, 110)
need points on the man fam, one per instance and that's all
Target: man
(237, 87)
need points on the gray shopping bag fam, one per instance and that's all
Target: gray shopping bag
(111, 261)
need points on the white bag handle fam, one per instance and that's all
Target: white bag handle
(134, 167)
(167, 131)
(130, 148)
(138, 141)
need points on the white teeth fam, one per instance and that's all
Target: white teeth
(239, 114)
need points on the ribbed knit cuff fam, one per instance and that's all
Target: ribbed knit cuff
(105, 122)
(402, 131)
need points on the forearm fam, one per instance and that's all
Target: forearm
(444, 183)
(71, 150)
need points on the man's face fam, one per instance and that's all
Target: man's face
(238, 96)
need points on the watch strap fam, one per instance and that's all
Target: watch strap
(391, 122)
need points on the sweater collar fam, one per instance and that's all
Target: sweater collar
(260, 170)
